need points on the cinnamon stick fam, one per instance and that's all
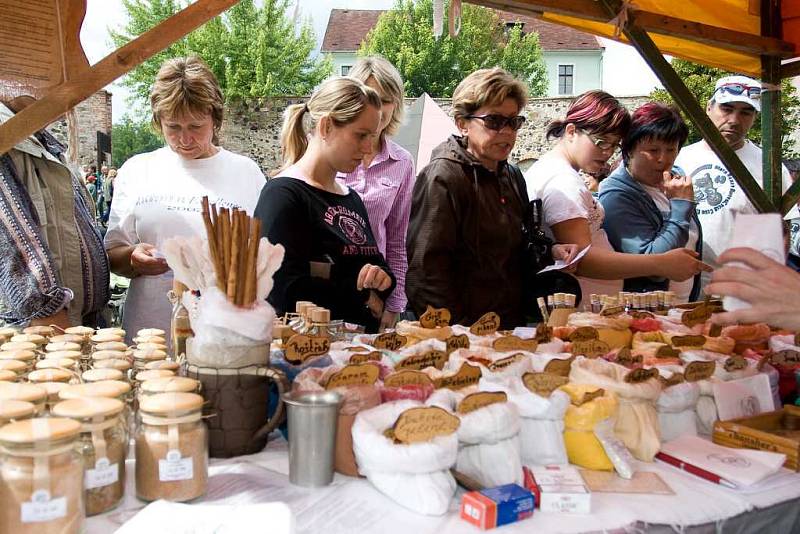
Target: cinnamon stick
(212, 241)
(233, 267)
(244, 232)
(225, 224)
(251, 282)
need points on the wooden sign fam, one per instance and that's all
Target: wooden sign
(479, 400)
(354, 375)
(641, 374)
(418, 362)
(418, 425)
(611, 310)
(559, 367)
(785, 357)
(509, 343)
(486, 325)
(300, 347)
(544, 333)
(356, 349)
(594, 348)
(688, 341)
(584, 333)
(589, 396)
(735, 363)
(362, 357)
(390, 341)
(676, 378)
(435, 318)
(502, 363)
(698, 315)
(457, 342)
(467, 375)
(407, 378)
(624, 357)
(715, 330)
(543, 384)
(665, 351)
(641, 315)
(696, 371)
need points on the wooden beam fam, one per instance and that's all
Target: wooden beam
(771, 107)
(790, 69)
(64, 97)
(655, 23)
(790, 197)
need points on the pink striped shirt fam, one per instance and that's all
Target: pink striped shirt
(385, 188)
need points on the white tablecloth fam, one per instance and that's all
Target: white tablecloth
(353, 506)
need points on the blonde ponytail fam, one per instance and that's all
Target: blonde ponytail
(294, 139)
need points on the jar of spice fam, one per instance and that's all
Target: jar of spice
(62, 345)
(58, 363)
(36, 339)
(171, 448)
(41, 477)
(109, 389)
(15, 410)
(170, 384)
(163, 364)
(51, 375)
(28, 357)
(25, 392)
(96, 375)
(19, 368)
(7, 376)
(102, 445)
(45, 331)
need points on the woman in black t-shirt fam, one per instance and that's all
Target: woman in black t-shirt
(331, 256)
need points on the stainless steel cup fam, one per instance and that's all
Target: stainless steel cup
(312, 418)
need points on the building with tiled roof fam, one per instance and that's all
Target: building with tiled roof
(574, 59)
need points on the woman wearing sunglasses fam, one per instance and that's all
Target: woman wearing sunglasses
(587, 137)
(465, 241)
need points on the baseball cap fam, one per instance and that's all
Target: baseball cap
(738, 89)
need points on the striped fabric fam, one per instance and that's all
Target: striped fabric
(385, 188)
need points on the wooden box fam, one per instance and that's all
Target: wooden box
(777, 431)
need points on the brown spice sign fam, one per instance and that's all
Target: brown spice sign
(435, 317)
(735, 363)
(479, 400)
(407, 378)
(457, 342)
(641, 374)
(593, 348)
(544, 333)
(418, 425)
(418, 362)
(688, 341)
(486, 325)
(354, 375)
(699, 314)
(559, 367)
(300, 347)
(676, 378)
(502, 363)
(665, 351)
(390, 341)
(467, 375)
(624, 357)
(696, 371)
(612, 310)
(509, 343)
(543, 384)
(715, 330)
(589, 396)
(785, 357)
(584, 333)
(363, 357)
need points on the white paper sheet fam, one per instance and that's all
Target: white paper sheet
(560, 264)
(744, 397)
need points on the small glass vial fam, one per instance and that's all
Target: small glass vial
(180, 325)
(299, 323)
(594, 299)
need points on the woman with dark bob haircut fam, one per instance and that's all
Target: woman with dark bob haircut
(649, 203)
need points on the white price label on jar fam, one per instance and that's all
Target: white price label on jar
(103, 474)
(43, 508)
(175, 468)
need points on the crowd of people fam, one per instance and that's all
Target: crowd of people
(369, 236)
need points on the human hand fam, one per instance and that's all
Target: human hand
(677, 186)
(373, 277)
(772, 289)
(566, 253)
(375, 305)
(680, 264)
(144, 261)
(388, 320)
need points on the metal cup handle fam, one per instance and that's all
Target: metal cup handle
(280, 413)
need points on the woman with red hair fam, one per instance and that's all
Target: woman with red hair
(587, 137)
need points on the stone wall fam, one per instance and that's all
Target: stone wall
(252, 128)
(93, 115)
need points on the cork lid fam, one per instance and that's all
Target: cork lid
(53, 389)
(108, 355)
(111, 345)
(170, 384)
(301, 306)
(45, 331)
(39, 429)
(18, 345)
(7, 375)
(27, 392)
(113, 331)
(82, 331)
(71, 354)
(62, 345)
(14, 366)
(67, 338)
(122, 365)
(170, 403)
(50, 375)
(29, 338)
(153, 374)
(13, 409)
(144, 332)
(320, 315)
(151, 346)
(53, 363)
(84, 408)
(9, 331)
(103, 388)
(95, 375)
(21, 355)
(149, 354)
(163, 364)
(150, 339)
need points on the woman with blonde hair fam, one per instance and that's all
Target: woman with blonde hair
(331, 256)
(157, 195)
(385, 178)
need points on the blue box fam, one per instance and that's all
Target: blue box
(493, 507)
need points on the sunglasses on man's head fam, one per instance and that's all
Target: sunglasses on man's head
(739, 88)
(498, 122)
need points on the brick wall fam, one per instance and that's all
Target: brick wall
(93, 115)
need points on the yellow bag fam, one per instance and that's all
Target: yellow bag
(583, 447)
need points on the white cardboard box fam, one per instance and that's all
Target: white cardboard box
(561, 489)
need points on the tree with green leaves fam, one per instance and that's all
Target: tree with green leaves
(253, 51)
(700, 80)
(130, 137)
(404, 36)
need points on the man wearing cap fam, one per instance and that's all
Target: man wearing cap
(719, 199)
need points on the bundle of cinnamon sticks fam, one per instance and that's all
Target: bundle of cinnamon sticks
(233, 239)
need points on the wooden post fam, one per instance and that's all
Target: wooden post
(771, 106)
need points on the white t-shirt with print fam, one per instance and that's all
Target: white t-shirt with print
(565, 196)
(682, 289)
(158, 195)
(719, 198)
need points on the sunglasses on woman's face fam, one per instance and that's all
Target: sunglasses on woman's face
(738, 88)
(600, 143)
(498, 122)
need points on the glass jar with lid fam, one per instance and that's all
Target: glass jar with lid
(17, 347)
(110, 389)
(20, 369)
(96, 375)
(102, 444)
(321, 325)
(107, 355)
(142, 357)
(28, 357)
(84, 331)
(44, 331)
(7, 375)
(36, 339)
(115, 331)
(62, 345)
(110, 345)
(25, 392)
(150, 374)
(171, 448)
(167, 365)
(120, 365)
(170, 384)
(71, 354)
(15, 410)
(58, 363)
(42, 477)
(52, 375)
